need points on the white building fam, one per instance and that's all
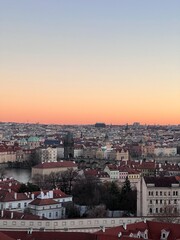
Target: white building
(158, 195)
(14, 201)
(48, 154)
(45, 206)
(112, 171)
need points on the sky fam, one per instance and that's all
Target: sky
(87, 61)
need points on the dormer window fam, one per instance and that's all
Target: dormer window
(145, 234)
(164, 234)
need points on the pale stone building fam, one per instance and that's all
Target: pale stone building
(48, 167)
(157, 194)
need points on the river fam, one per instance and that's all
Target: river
(21, 175)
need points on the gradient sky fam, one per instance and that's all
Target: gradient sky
(87, 61)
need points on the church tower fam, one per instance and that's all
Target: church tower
(68, 146)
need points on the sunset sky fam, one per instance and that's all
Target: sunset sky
(87, 61)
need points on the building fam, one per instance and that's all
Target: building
(165, 151)
(122, 155)
(47, 167)
(8, 153)
(45, 206)
(48, 154)
(141, 230)
(112, 171)
(11, 200)
(33, 142)
(158, 196)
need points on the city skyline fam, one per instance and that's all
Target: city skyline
(81, 62)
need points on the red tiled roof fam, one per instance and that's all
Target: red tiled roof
(3, 236)
(5, 214)
(161, 181)
(112, 167)
(154, 231)
(57, 193)
(134, 227)
(6, 148)
(6, 196)
(68, 164)
(50, 235)
(43, 202)
(10, 184)
(156, 227)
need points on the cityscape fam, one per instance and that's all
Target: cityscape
(89, 120)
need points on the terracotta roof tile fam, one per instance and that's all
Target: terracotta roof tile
(60, 164)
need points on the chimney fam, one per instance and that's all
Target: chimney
(103, 228)
(50, 194)
(119, 234)
(2, 213)
(12, 215)
(124, 226)
(29, 231)
(32, 196)
(15, 195)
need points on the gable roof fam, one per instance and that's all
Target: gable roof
(43, 202)
(9, 196)
(49, 235)
(161, 181)
(61, 164)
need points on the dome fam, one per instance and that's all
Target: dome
(33, 139)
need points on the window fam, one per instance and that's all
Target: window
(160, 201)
(163, 235)
(56, 214)
(150, 201)
(25, 204)
(150, 210)
(175, 201)
(19, 205)
(156, 201)
(49, 214)
(156, 193)
(164, 193)
(160, 193)
(156, 210)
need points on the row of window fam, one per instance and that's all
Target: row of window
(19, 205)
(163, 201)
(161, 193)
(163, 210)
